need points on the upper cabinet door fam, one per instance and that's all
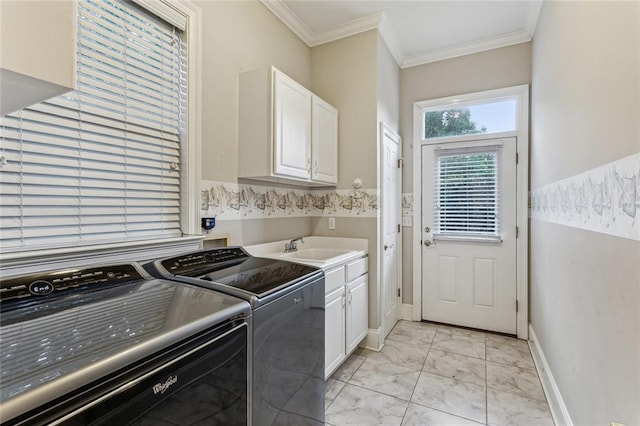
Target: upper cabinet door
(292, 128)
(325, 142)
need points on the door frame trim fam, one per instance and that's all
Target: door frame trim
(521, 93)
(385, 130)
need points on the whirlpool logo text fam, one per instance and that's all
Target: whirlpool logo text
(160, 388)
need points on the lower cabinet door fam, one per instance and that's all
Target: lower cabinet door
(334, 330)
(357, 311)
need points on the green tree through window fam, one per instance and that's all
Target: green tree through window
(450, 122)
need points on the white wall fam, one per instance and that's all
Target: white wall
(585, 286)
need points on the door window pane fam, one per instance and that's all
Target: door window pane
(467, 194)
(468, 119)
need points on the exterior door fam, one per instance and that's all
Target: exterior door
(469, 234)
(391, 203)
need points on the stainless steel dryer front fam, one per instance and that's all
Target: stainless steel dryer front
(110, 345)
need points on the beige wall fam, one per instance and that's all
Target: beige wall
(388, 87)
(256, 231)
(37, 38)
(584, 286)
(344, 73)
(239, 36)
(504, 67)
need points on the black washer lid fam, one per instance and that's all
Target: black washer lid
(234, 267)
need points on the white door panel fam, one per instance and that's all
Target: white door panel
(390, 205)
(468, 225)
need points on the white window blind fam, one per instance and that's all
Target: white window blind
(467, 194)
(101, 164)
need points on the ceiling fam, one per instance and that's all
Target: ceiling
(416, 31)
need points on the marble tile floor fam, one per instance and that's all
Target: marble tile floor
(432, 374)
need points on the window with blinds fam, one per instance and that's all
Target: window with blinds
(101, 164)
(467, 194)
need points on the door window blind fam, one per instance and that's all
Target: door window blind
(102, 163)
(467, 194)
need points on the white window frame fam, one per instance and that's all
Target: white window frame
(521, 94)
(24, 262)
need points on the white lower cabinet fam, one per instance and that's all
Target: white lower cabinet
(357, 308)
(346, 311)
(335, 328)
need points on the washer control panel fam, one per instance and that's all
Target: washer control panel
(193, 261)
(46, 283)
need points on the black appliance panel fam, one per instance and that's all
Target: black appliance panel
(200, 381)
(55, 343)
(235, 268)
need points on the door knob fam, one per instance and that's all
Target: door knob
(427, 243)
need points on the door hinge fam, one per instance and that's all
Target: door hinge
(398, 292)
(400, 162)
(399, 228)
(517, 158)
(517, 232)
(517, 309)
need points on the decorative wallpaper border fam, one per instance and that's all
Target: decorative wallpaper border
(605, 199)
(407, 203)
(233, 201)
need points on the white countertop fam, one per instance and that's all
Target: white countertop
(350, 249)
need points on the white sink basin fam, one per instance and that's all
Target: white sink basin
(316, 254)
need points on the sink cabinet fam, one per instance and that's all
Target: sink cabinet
(285, 132)
(346, 311)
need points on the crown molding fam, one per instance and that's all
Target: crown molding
(531, 20)
(378, 21)
(388, 34)
(463, 49)
(357, 26)
(290, 19)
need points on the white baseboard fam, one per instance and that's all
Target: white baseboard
(374, 340)
(556, 403)
(406, 312)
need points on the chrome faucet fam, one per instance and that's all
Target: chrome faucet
(291, 245)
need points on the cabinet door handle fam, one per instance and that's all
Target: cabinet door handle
(309, 165)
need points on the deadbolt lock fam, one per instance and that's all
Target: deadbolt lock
(427, 229)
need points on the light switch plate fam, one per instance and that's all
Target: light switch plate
(332, 223)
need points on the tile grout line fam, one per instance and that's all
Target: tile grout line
(419, 374)
(427, 372)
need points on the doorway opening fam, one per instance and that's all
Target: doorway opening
(470, 180)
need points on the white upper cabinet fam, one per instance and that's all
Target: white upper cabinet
(325, 142)
(292, 128)
(38, 51)
(285, 133)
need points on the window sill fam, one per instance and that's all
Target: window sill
(140, 251)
